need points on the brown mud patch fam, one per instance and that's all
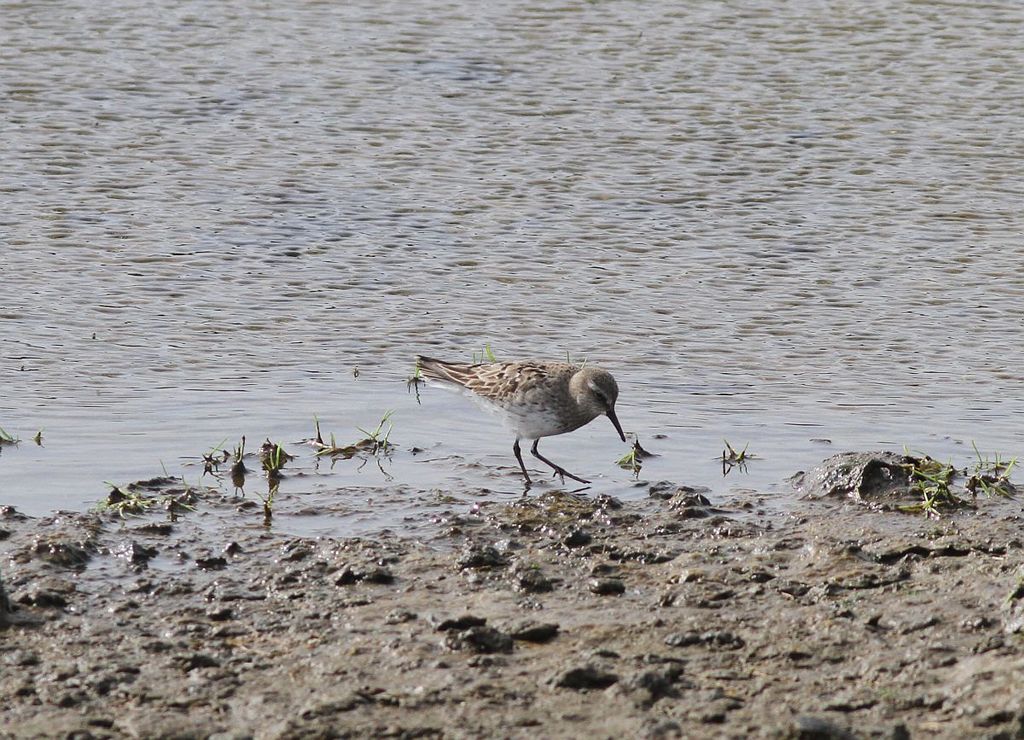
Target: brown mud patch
(551, 616)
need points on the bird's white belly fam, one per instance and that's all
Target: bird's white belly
(533, 422)
(527, 420)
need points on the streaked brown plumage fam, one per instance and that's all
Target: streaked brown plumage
(535, 399)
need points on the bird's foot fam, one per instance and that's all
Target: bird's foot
(563, 474)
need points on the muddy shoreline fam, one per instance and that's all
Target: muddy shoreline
(554, 615)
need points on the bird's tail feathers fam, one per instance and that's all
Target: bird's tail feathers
(441, 371)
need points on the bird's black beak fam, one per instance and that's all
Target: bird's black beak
(615, 421)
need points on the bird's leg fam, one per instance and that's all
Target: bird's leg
(519, 456)
(557, 468)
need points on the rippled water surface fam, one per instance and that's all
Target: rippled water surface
(775, 222)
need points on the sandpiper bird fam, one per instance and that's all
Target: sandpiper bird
(534, 399)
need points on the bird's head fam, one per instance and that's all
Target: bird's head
(596, 392)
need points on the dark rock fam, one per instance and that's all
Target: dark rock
(346, 576)
(399, 616)
(220, 615)
(479, 639)
(43, 598)
(163, 529)
(60, 552)
(4, 534)
(607, 503)
(529, 630)
(683, 639)
(667, 490)
(349, 575)
(792, 588)
(461, 623)
(531, 580)
(153, 484)
(653, 684)
(135, 553)
(577, 538)
(864, 476)
(690, 503)
(9, 513)
(666, 729)
(475, 557)
(585, 678)
(378, 575)
(715, 638)
(215, 562)
(295, 551)
(607, 587)
(197, 660)
(645, 557)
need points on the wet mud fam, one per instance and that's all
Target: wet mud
(552, 615)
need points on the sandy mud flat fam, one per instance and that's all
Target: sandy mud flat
(554, 615)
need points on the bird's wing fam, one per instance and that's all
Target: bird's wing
(496, 381)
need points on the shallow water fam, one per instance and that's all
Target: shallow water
(774, 225)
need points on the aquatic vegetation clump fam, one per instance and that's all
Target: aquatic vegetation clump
(633, 460)
(238, 469)
(943, 488)
(733, 459)
(374, 443)
(216, 457)
(414, 381)
(172, 495)
(274, 458)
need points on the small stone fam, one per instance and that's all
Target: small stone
(532, 581)
(43, 598)
(476, 557)
(683, 639)
(480, 639)
(577, 538)
(654, 684)
(529, 630)
(346, 576)
(212, 563)
(378, 575)
(399, 616)
(58, 552)
(716, 638)
(135, 553)
(159, 528)
(11, 514)
(584, 678)
(607, 587)
(461, 623)
(722, 638)
(197, 660)
(295, 551)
